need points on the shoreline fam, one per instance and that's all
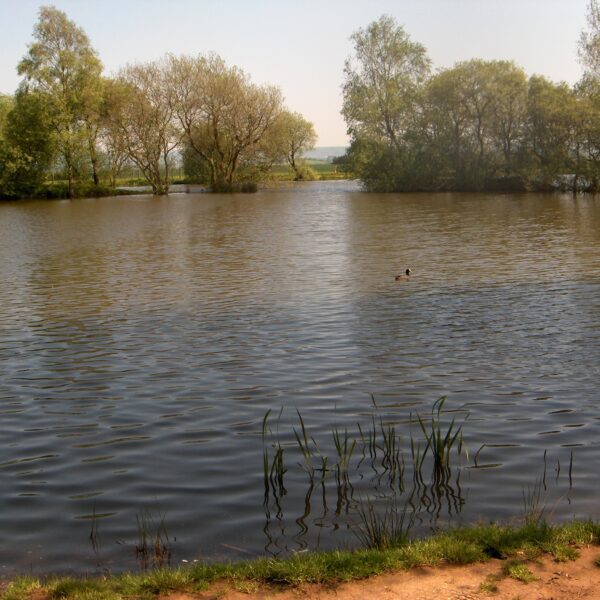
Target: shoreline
(491, 554)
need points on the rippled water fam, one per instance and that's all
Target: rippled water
(142, 340)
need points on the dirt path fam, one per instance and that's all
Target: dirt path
(557, 581)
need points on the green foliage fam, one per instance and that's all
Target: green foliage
(6, 105)
(195, 167)
(519, 571)
(589, 42)
(61, 64)
(480, 125)
(28, 147)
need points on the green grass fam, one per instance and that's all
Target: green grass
(518, 570)
(459, 546)
(322, 170)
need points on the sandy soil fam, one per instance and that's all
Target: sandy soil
(556, 581)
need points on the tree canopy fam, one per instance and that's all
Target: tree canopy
(148, 115)
(479, 125)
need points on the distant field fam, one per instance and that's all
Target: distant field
(325, 152)
(322, 168)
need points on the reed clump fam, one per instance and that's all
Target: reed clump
(412, 459)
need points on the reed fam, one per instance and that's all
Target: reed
(344, 447)
(154, 546)
(383, 530)
(534, 503)
(273, 462)
(440, 441)
(94, 532)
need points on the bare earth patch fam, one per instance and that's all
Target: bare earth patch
(554, 581)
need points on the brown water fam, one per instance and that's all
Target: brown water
(143, 339)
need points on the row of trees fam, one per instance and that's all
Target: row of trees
(67, 117)
(478, 125)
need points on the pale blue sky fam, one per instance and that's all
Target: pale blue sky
(301, 45)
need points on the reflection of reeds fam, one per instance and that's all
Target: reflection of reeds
(153, 547)
(571, 470)
(94, 531)
(274, 468)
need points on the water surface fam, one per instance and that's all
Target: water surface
(143, 339)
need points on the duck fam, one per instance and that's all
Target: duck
(405, 276)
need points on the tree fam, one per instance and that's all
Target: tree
(382, 81)
(141, 119)
(62, 64)
(223, 115)
(382, 98)
(110, 137)
(6, 105)
(508, 111)
(292, 135)
(588, 117)
(552, 109)
(589, 41)
(478, 111)
(27, 144)
(447, 116)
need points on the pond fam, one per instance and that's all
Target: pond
(143, 340)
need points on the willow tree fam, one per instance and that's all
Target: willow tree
(223, 115)
(140, 121)
(62, 64)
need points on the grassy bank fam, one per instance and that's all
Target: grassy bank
(516, 545)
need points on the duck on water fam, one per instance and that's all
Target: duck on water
(405, 276)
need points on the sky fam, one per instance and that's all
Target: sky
(301, 45)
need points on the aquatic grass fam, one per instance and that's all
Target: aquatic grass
(273, 467)
(383, 530)
(344, 447)
(440, 441)
(303, 444)
(431, 444)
